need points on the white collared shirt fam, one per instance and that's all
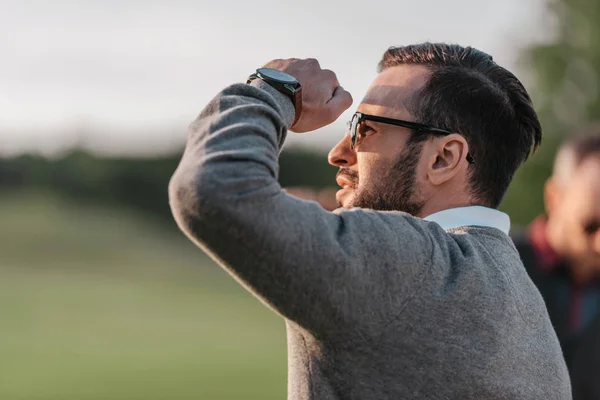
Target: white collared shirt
(471, 216)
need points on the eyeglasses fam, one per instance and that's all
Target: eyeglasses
(359, 117)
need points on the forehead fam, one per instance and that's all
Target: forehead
(393, 89)
(585, 187)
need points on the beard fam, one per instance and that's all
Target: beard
(396, 189)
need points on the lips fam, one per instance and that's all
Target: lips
(346, 179)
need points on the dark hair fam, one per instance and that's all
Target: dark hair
(584, 144)
(470, 94)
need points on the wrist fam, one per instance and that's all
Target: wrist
(284, 83)
(286, 106)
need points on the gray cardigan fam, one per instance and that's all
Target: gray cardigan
(378, 305)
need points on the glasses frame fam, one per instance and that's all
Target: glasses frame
(359, 117)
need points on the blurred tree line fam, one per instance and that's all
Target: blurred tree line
(562, 74)
(563, 78)
(138, 183)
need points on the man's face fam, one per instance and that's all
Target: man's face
(381, 172)
(575, 218)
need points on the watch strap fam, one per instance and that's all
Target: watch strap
(294, 93)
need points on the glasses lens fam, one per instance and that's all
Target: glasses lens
(353, 129)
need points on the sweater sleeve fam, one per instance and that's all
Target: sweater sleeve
(323, 270)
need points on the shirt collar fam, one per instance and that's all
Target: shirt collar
(471, 216)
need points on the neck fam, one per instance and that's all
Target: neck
(440, 203)
(581, 274)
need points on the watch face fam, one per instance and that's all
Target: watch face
(276, 75)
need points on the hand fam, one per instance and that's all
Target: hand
(323, 99)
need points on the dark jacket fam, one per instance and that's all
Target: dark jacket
(576, 324)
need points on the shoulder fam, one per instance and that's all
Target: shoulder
(390, 232)
(520, 237)
(524, 246)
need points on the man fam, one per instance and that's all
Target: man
(413, 288)
(561, 251)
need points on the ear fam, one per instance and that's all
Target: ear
(552, 195)
(447, 158)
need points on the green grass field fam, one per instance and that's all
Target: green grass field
(99, 304)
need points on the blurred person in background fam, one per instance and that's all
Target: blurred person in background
(561, 252)
(412, 288)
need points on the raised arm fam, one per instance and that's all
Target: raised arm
(315, 267)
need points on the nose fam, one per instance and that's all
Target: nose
(342, 155)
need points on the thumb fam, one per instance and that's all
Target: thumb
(339, 102)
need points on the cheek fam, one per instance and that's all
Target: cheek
(371, 169)
(577, 240)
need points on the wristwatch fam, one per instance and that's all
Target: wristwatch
(284, 83)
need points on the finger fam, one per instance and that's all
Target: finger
(340, 101)
(330, 77)
(313, 61)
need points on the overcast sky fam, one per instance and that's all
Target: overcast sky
(139, 71)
